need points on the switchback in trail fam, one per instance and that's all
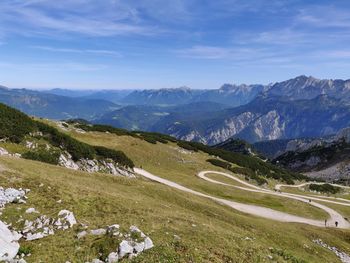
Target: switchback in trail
(264, 212)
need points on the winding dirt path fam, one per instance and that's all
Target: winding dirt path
(253, 209)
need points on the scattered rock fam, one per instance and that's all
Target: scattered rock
(44, 226)
(31, 210)
(345, 258)
(125, 248)
(65, 160)
(11, 195)
(68, 216)
(112, 257)
(81, 234)
(93, 166)
(98, 232)
(31, 145)
(3, 151)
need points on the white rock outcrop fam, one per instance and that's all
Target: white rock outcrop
(8, 243)
(65, 160)
(93, 166)
(344, 258)
(11, 195)
(3, 151)
(44, 226)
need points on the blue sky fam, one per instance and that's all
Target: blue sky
(105, 44)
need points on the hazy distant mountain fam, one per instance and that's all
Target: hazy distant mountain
(233, 95)
(174, 96)
(53, 106)
(111, 95)
(116, 96)
(303, 87)
(149, 118)
(69, 92)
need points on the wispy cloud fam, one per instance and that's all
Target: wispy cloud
(324, 17)
(53, 67)
(237, 54)
(80, 51)
(80, 17)
(204, 52)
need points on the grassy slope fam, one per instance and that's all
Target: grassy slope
(99, 199)
(167, 161)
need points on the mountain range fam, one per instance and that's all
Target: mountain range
(303, 107)
(53, 106)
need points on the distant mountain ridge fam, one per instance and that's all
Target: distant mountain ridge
(304, 87)
(300, 107)
(228, 94)
(265, 118)
(54, 106)
(172, 96)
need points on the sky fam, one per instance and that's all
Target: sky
(144, 44)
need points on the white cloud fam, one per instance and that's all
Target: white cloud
(80, 51)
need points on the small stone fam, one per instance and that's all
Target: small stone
(81, 234)
(112, 257)
(98, 232)
(31, 210)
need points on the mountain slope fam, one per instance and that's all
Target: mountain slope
(303, 87)
(161, 97)
(232, 95)
(327, 158)
(39, 141)
(149, 118)
(265, 118)
(176, 222)
(53, 106)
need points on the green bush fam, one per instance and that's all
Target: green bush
(324, 188)
(42, 156)
(117, 156)
(77, 149)
(14, 125)
(220, 163)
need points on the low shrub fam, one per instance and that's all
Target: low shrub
(324, 188)
(42, 156)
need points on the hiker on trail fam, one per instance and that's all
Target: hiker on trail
(325, 222)
(309, 200)
(336, 223)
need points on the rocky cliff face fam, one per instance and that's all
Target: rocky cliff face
(267, 118)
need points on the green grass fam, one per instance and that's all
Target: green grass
(168, 161)
(13, 147)
(99, 200)
(220, 234)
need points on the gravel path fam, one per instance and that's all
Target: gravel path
(253, 209)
